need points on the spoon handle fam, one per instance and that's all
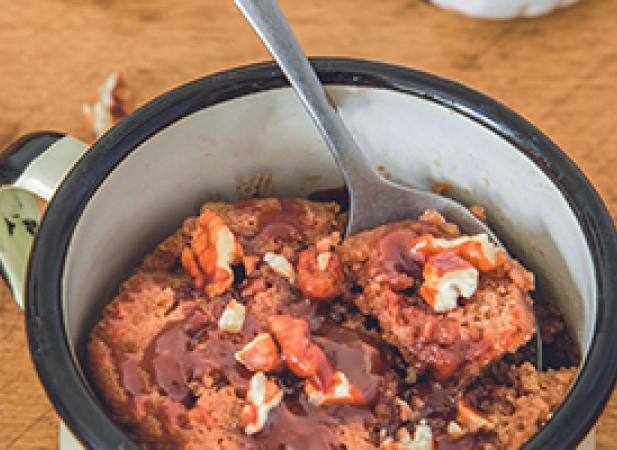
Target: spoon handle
(271, 26)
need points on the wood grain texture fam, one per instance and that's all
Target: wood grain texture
(559, 71)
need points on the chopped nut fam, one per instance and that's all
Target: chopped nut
(433, 217)
(213, 250)
(260, 355)
(280, 265)
(389, 444)
(522, 278)
(477, 250)
(454, 430)
(262, 396)
(303, 358)
(411, 376)
(342, 392)
(439, 187)
(405, 412)
(249, 263)
(446, 277)
(471, 419)
(109, 107)
(232, 318)
(322, 260)
(328, 243)
(320, 277)
(479, 212)
(422, 439)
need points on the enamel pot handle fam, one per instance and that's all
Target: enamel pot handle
(31, 169)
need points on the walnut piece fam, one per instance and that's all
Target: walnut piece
(479, 212)
(446, 277)
(212, 252)
(478, 250)
(406, 414)
(454, 430)
(324, 385)
(262, 396)
(303, 358)
(320, 275)
(280, 265)
(342, 392)
(422, 439)
(260, 355)
(471, 419)
(109, 106)
(232, 319)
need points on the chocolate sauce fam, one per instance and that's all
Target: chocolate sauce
(297, 425)
(438, 402)
(394, 251)
(173, 359)
(355, 354)
(467, 442)
(338, 195)
(445, 262)
(395, 260)
(283, 224)
(129, 375)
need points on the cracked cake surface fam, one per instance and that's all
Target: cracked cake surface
(255, 326)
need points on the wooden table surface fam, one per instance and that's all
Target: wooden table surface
(559, 71)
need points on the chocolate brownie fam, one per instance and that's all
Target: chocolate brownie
(255, 327)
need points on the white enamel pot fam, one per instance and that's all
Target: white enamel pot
(205, 139)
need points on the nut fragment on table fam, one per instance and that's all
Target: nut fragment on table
(109, 106)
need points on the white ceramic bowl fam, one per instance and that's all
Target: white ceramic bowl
(502, 9)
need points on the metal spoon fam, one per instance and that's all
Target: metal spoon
(374, 200)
